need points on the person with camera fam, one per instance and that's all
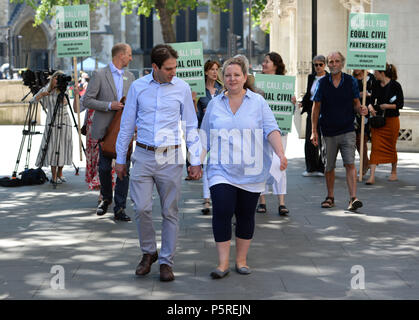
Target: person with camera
(106, 88)
(57, 142)
(387, 96)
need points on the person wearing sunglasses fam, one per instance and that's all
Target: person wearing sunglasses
(314, 162)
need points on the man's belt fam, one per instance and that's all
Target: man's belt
(160, 149)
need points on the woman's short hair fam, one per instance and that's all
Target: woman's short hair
(278, 62)
(245, 61)
(162, 52)
(320, 58)
(242, 65)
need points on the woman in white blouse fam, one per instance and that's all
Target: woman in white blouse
(237, 125)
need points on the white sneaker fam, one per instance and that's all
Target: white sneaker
(319, 174)
(308, 174)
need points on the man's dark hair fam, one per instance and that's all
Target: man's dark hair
(162, 52)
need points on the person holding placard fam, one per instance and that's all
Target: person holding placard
(387, 96)
(336, 98)
(273, 64)
(359, 75)
(237, 120)
(314, 162)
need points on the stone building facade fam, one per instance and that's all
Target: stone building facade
(300, 29)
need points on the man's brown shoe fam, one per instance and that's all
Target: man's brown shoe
(145, 264)
(166, 273)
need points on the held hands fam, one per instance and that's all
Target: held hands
(116, 105)
(195, 172)
(121, 170)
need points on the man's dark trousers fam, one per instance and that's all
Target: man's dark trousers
(105, 177)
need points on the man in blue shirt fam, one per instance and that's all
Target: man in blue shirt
(336, 99)
(156, 103)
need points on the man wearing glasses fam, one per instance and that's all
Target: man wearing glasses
(335, 100)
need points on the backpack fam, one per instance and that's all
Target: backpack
(33, 176)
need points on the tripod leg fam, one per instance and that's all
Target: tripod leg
(26, 131)
(75, 122)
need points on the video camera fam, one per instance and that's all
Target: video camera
(36, 80)
(62, 82)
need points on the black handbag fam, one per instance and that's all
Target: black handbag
(378, 121)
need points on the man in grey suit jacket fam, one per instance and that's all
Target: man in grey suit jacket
(106, 88)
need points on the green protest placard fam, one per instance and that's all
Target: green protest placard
(278, 91)
(190, 65)
(73, 31)
(367, 41)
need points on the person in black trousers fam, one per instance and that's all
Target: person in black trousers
(314, 162)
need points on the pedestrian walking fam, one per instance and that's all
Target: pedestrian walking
(273, 64)
(388, 99)
(155, 105)
(313, 159)
(232, 121)
(103, 94)
(335, 100)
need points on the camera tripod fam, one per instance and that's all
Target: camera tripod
(29, 127)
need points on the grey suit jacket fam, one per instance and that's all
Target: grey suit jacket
(100, 91)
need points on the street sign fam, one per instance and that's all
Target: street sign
(278, 91)
(367, 41)
(73, 31)
(190, 65)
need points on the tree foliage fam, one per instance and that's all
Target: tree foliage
(166, 10)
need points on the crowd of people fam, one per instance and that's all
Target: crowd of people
(153, 106)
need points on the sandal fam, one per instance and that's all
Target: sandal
(261, 208)
(206, 210)
(282, 210)
(329, 202)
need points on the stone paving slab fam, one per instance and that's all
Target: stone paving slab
(307, 255)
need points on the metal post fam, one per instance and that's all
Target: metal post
(230, 30)
(9, 39)
(250, 32)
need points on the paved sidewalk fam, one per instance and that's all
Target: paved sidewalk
(308, 255)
